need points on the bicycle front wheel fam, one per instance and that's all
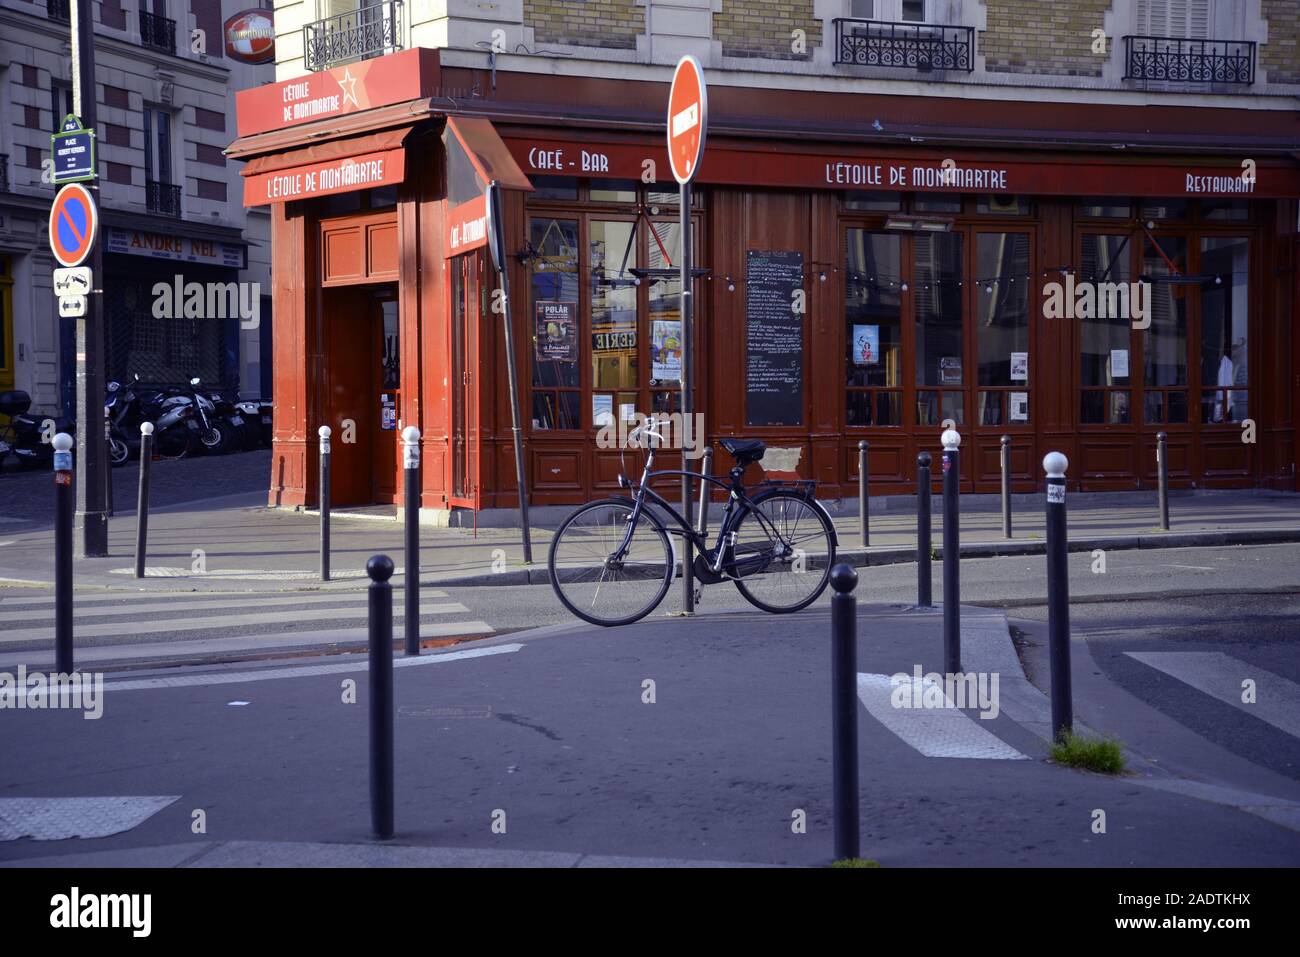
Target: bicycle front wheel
(598, 579)
(783, 554)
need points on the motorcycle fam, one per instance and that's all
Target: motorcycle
(26, 435)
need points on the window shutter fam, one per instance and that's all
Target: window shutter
(1173, 18)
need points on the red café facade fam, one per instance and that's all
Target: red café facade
(946, 256)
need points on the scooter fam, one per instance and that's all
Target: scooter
(28, 436)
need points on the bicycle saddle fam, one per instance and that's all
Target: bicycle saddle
(744, 451)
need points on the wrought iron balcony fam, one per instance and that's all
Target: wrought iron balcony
(1188, 60)
(158, 33)
(163, 198)
(906, 46)
(355, 35)
(58, 10)
(4, 172)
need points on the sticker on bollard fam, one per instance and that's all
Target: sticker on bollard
(1056, 493)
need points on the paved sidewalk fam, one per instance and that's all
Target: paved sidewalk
(236, 543)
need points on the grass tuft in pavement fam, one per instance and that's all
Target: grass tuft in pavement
(1102, 755)
(855, 862)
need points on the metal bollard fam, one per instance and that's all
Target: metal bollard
(864, 476)
(924, 577)
(844, 710)
(1006, 486)
(951, 553)
(64, 504)
(380, 570)
(324, 433)
(411, 593)
(702, 517)
(1162, 473)
(142, 499)
(1058, 596)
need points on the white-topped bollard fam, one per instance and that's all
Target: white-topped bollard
(411, 504)
(142, 498)
(1058, 595)
(951, 552)
(324, 433)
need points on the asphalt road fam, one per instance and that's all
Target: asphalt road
(557, 740)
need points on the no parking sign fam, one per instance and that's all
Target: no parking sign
(74, 224)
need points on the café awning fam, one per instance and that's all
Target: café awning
(338, 166)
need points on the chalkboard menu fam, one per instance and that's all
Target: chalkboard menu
(773, 339)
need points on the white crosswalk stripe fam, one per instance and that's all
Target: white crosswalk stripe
(1222, 677)
(946, 732)
(240, 620)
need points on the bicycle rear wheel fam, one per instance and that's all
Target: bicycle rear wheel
(783, 554)
(594, 583)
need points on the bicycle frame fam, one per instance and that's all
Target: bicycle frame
(736, 494)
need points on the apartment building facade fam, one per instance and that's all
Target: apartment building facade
(1071, 225)
(169, 197)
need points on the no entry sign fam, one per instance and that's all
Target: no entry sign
(74, 221)
(688, 111)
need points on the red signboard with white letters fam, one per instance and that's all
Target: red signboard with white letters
(366, 171)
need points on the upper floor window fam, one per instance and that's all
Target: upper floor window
(899, 11)
(1173, 18)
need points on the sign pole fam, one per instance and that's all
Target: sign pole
(497, 247)
(687, 120)
(688, 570)
(92, 459)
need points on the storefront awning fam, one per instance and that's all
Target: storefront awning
(339, 166)
(744, 162)
(476, 157)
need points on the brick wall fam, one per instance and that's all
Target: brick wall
(1045, 37)
(1280, 55)
(764, 28)
(597, 23)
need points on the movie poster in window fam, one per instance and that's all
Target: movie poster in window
(557, 331)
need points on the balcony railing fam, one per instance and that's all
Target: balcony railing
(163, 198)
(355, 35)
(4, 172)
(1188, 60)
(157, 33)
(58, 10)
(906, 46)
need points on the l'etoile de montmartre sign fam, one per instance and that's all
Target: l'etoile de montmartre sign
(321, 179)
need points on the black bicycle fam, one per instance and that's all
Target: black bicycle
(611, 562)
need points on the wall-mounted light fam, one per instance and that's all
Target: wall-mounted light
(918, 224)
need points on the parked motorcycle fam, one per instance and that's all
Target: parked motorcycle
(26, 435)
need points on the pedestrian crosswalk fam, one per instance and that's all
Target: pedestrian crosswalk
(1246, 687)
(219, 621)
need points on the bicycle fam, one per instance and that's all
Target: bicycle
(611, 562)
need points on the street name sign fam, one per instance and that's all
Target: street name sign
(73, 149)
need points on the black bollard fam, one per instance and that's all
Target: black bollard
(702, 518)
(380, 570)
(142, 499)
(1006, 486)
(324, 433)
(411, 595)
(951, 553)
(64, 504)
(1058, 596)
(1162, 477)
(108, 468)
(924, 578)
(864, 476)
(844, 710)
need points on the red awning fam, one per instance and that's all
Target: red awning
(339, 166)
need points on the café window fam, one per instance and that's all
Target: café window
(1104, 370)
(1002, 327)
(1224, 307)
(1106, 207)
(556, 321)
(606, 311)
(1165, 341)
(937, 300)
(873, 326)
